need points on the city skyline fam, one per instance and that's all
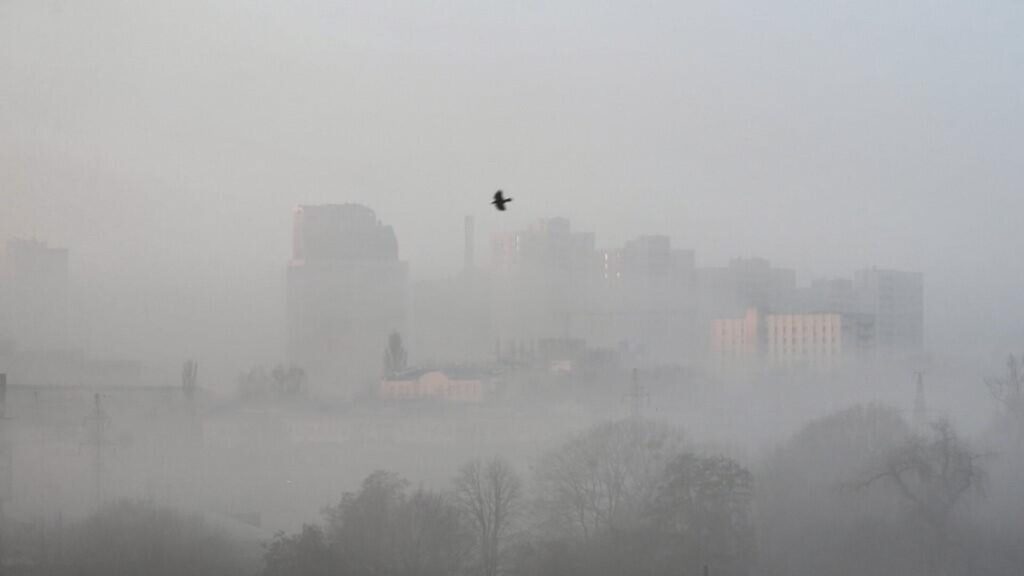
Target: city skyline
(757, 308)
(817, 150)
(685, 298)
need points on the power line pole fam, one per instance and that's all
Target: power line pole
(920, 407)
(97, 424)
(6, 466)
(194, 433)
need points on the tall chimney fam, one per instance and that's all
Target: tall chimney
(469, 243)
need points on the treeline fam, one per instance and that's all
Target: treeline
(624, 497)
(861, 491)
(127, 538)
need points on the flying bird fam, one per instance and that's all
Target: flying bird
(500, 201)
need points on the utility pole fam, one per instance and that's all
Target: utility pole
(97, 424)
(637, 393)
(189, 372)
(920, 407)
(194, 433)
(6, 463)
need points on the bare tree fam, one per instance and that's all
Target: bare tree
(136, 538)
(813, 514)
(704, 509)
(604, 479)
(305, 553)
(932, 474)
(490, 493)
(1008, 391)
(363, 527)
(433, 539)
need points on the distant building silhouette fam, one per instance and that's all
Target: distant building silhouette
(346, 294)
(895, 299)
(34, 293)
(780, 340)
(877, 315)
(341, 232)
(554, 283)
(447, 385)
(540, 279)
(646, 300)
(744, 283)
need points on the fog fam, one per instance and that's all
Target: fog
(765, 253)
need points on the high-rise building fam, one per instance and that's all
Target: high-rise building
(552, 282)
(728, 292)
(828, 295)
(737, 341)
(346, 294)
(745, 283)
(895, 299)
(647, 300)
(877, 315)
(34, 289)
(779, 340)
(540, 279)
(761, 285)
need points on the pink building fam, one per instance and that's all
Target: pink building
(433, 384)
(779, 340)
(735, 339)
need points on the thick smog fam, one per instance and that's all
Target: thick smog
(511, 289)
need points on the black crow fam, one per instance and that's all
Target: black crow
(500, 201)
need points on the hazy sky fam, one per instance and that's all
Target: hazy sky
(167, 142)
